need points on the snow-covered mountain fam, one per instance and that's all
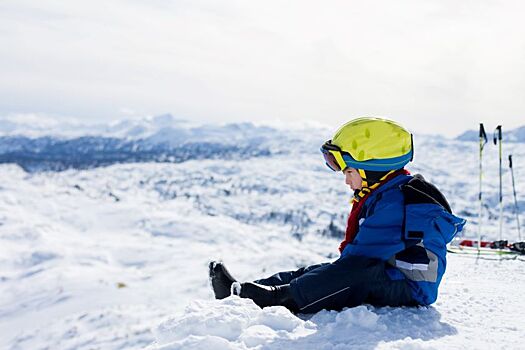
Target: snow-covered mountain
(115, 256)
(37, 147)
(514, 135)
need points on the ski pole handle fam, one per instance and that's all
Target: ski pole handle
(498, 129)
(482, 133)
(510, 161)
(482, 137)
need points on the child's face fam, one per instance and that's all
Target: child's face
(353, 179)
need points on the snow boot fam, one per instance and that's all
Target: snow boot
(221, 280)
(266, 295)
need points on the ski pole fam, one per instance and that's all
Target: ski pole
(482, 142)
(515, 199)
(496, 139)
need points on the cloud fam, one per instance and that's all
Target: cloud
(439, 66)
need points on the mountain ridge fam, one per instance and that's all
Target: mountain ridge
(513, 135)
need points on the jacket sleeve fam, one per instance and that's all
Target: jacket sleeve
(380, 234)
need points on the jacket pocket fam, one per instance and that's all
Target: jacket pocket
(430, 222)
(449, 225)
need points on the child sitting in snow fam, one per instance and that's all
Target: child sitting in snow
(394, 251)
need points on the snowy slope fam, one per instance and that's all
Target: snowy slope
(116, 257)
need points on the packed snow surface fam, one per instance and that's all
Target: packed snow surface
(116, 257)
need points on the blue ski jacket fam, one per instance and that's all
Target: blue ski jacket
(407, 222)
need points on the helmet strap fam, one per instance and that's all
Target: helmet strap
(364, 183)
(366, 189)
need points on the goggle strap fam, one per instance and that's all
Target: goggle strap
(339, 159)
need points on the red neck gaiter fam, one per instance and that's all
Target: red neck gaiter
(352, 226)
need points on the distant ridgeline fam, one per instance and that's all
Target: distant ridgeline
(516, 135)
(51, 154)
(49, 145)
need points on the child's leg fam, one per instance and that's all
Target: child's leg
(347, 282)
(286, 277)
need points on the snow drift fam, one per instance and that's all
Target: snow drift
(235, 323)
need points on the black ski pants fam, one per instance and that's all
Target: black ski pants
(346, 282)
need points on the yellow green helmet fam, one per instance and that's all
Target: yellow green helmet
(370, 144)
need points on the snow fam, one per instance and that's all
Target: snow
(116, 257)
(471, 319)
(453, 326)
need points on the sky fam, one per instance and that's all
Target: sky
(434, 66)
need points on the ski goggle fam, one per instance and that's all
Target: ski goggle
(333, 156)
